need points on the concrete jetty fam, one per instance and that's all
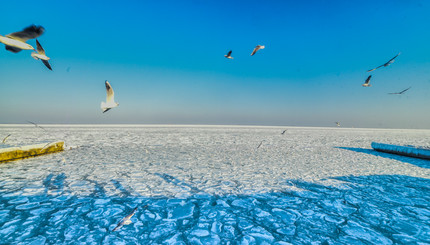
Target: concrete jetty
(14, 153)
(410, 151)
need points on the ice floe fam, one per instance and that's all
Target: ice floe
(210, 186)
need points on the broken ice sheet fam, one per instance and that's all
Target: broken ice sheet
(209, 185)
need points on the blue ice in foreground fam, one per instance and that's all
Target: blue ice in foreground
(210, 185)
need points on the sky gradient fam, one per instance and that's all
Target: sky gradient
(165, 62)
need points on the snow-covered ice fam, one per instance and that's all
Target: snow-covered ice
(211, 185)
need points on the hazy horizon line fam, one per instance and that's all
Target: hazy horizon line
(191, 125)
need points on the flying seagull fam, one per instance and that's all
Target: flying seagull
(228, 55)
(126, 220)
(110, 101)
(37, 126)
(337, 124)
(401, 92)
(366, 83)
(40, 55)
(258, 47)
(15, 42)
(47, 145)
(260, 144)
(5, 138)
(386, 64)
(283, 132)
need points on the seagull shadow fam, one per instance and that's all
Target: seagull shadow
(99, 190)
(54, 184)
(120, 187)
(371, 209)
(422, 163)
(177, 182)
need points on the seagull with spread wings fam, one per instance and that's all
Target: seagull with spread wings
(401, 92)
(36, 125)
(386, 64)
(110, 101)
(15, 42)
(366, 83)
(5, 138)
(258, 47)
(40, 55)
(228, 55)
(126, 220)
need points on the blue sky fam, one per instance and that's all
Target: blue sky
(165, 61)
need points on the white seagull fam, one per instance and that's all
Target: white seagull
(228, 55)
(126, 220)
(15, 42)
(110, 101)
(40, 55)
(366, 83)
(337, 124)
(258, 47)
(386, 64)
(5, 138)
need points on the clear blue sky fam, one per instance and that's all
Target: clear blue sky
(165, 61)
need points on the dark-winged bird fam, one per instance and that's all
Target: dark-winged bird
(40, 55)
(228, 55)
(386, 64)
(260, 144)
(366, 83)
(36, 125)
(15, 42)
(401, 92)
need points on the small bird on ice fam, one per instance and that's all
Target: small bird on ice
(283, 132)
(228, 55)
(40, 55)
(258, 47)
(366, 83)
(15, 42)
(110, 101)
(386, 64)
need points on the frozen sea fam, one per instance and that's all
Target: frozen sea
(212, 185)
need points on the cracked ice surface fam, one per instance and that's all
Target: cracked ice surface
(209, 185)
